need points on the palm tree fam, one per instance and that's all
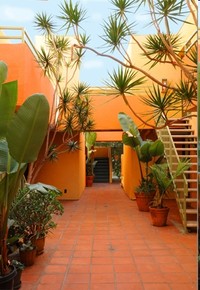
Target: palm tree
(71, 111)
(162, 47)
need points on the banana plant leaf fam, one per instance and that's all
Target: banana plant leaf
(27, 129)
(129, 126)
(8, 100)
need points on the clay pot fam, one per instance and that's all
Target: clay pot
(143, 200)
(159, 216)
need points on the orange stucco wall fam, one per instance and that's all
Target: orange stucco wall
(130, 171)
(67, 174)
(101, 152)
(108, 106)
(22, 66)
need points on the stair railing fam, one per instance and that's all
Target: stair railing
(172, 158)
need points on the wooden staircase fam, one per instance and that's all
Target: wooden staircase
(181, 142)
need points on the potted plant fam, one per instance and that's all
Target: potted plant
(164, 183)
(20, 142)
(27, 253)
(90, 139)
(33, 210)
(148, 152)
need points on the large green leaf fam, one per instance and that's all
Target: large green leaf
(145, 155)
(3, 72)
(7, 163)
(128, 125)
(130, 141)
(156, 148)
(43, 188)
(8, 100)
(90, 138)
(27, 129)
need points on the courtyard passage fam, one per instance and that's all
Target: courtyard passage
(103, 242)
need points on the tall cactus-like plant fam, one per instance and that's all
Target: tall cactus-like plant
(22, 133)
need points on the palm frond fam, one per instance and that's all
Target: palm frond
(122, 6)
(173, 10)
(71, 14)
(161, 103)
(123, 81)
(157, 50)
(116, 31)
(44, 23)
(186, 92)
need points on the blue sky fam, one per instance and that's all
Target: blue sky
(94, 69)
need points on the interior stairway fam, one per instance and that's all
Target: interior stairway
(181, 142)
(101, 170)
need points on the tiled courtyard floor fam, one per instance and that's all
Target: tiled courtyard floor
(102, 242)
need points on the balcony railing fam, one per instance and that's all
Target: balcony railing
(13, 34)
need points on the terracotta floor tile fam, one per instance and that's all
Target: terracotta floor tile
(183, 286)
(102, 268)
(103, 286)
(48, 287)
(102, 278)
(180, 277)
(55, 269)
(129, 268)
(147, 267)
(157, 286)
(79, 268)
(129, 286)
(80, 278)
(127, 277)
(71, 286)
(152, 277)
(52, 279)
(82, 254)
(101, 261)
(103, 242)
(60, 261)
(81, 261)
(171, 268)
(62, 254)
(100, 254)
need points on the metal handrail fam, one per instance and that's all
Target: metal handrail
(173, 159)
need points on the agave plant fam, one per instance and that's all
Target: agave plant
(20, 142)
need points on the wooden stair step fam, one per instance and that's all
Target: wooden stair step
(192, 224)
(189, 156)
(188, 199)
(182, 125)
(189, 189)
(181, 130)
(186, 149)
(185, 142)
(191, 211)
(182, 136)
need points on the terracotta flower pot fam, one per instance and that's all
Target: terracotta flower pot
(159, 216)
(27, 257)
(39, 243)
(143, 200)
(89, 180)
